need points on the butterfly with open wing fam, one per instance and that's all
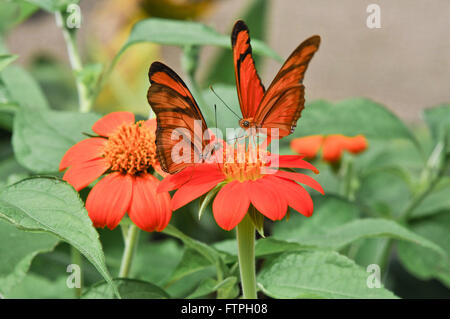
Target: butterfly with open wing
(278, 107)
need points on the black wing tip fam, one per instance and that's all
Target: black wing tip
(238, 27)
(315, 39)
(157, 66)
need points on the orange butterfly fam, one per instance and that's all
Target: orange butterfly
(176, 112)
(281, 105)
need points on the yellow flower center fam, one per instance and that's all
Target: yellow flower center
(244, 165)
(131, 149)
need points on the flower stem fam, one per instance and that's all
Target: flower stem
(245, 235)
(130, 236)
(84, 98)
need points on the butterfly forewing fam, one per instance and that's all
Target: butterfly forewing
(177, 114)
(284, 100)
(249, 87)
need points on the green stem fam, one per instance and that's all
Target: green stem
(84, 99)
(131, 235)
(346, 175)
(245, 235)
(77, 260)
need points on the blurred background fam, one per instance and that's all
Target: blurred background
(404, 65)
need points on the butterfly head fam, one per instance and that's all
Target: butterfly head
(246, 123)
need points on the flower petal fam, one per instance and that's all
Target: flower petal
(109, 200)
(149, 210)
(158, 169)
(82, 174)
(292, 161)
(266, 198)
(333, 147)
(195, 187)
(83, 151)
(301, 178)
(110, 122)
(175, 181)
(230, 205)
(297, 197)
(151, 124)
(307, 146)
(356, 144)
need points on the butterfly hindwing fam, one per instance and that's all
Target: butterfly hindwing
(175, 109)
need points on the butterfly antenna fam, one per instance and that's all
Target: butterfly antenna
(224, 102)
(215, 113)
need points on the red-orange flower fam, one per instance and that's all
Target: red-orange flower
(126, 151)
(246, 182)
(332, 146)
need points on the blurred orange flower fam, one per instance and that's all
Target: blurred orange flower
(332, 146)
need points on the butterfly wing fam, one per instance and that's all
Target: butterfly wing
(249, 87)
(284, 100)
(176, 112)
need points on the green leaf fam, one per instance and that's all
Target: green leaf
(424, 263)
(317, 274)
(128, 289)
(228, 288)
(18, 248)
(438, 120)
(14, 12)
(156, 261)
(205, 287)
(340, 236)
(398, 154)
(436, 202)
(53, 206)
(38, 287)
(191, 262)
(182, 33)
(208, 252)
(9, 169)
(334, 226)
(384, 192)
(270, 246)
(221, 69)
(263, 247)
(41, 138)
(52, 5)
(6, 59)
(351, 117)
(23, 89)
(188, 284)
(329, 212)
